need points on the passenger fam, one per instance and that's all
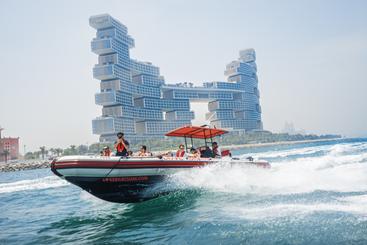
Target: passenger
(195, 154)
(143, 152)
(181, 151)
(121, 145)
(166, 155)
(206, 152)
(106, 151)
(130, 153)
(216, 150)
(101, 153)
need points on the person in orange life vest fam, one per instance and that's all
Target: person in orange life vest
(216, 150)
(121, 145)
(106, 151)
(181, 151)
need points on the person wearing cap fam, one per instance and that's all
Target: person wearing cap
(121, 145)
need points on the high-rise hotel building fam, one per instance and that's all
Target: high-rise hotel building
(135, 99)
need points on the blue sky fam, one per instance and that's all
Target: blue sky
(311, 57)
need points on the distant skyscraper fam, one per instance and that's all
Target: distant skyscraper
(137, 101)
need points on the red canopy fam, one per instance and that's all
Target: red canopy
(196, 132)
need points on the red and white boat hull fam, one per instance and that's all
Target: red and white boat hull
(123, 180)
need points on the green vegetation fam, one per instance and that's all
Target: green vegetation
(172, 143)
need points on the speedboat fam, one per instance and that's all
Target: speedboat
(132, 179)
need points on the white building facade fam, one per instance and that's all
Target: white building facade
(135, 99)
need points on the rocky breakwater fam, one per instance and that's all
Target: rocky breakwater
(24, 165)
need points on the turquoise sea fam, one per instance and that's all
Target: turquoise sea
(315, 193)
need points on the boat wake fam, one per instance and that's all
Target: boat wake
(341, 168)
(355, 205)
(338, 168)
(32, 184)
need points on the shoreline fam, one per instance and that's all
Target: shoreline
(37, 164)
(24, 165)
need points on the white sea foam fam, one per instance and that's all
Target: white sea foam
(290, 152)
(341, 169)
(334, 149)
(32, 184)
(355, 205)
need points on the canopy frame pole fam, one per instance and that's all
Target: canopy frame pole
(206, 144)
(192, 143)
(185, 143)
(211, 137)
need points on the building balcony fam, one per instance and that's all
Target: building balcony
(112, 125)
(221, 114)
(111, 71)
(162, 104)
(158, 127)
(103, 125)
(179, 115)
(241, 124)
(104, 21)
(102, 46)
(106, 98)
(103, 72)
(226, 105)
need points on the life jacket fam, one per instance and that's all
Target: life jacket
(120, 147)
(180, 153)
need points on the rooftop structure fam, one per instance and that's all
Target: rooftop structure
(136, 100)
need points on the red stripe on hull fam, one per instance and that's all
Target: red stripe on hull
(142, 164)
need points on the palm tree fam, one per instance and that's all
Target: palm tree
(29, 155)
(37, 154)
(58, 151)
(43, 152)
(73, 149)
(82, 149)
(53, 151)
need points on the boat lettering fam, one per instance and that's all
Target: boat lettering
(125, 179)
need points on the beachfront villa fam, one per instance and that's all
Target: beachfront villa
(136, 100)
